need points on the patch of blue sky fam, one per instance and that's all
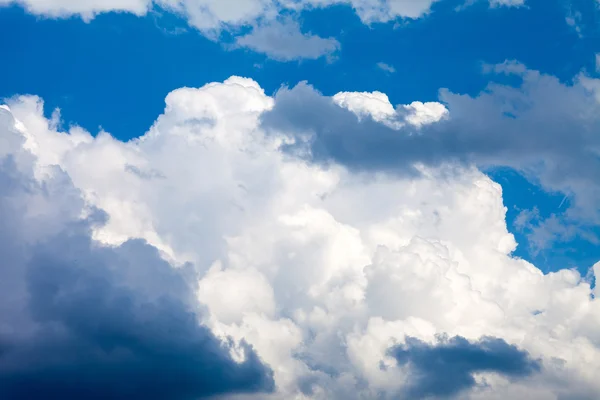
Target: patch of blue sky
(522, 196)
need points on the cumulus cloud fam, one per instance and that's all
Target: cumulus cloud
(377, 106)
(542, 127)
(82, 320)
(284, 41)
(321, 268)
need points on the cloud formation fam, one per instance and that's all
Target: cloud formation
(284, 41)
(542, 127)
(83, 320)
(386, 67)
(275, 30)
(321, 268)
(445, 369)
(207, 15)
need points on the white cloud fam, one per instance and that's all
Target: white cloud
(320, 268)
(211, 15)
(386, 67)
(279, 40)
(87, 9)
(542, 127)
(509, 3)
(284, 41)
(377, 105)
(81, 319)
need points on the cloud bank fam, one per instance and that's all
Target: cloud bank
(342, 279)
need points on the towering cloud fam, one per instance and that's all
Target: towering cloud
(79, 319)
(265, 223)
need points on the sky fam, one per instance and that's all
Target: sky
(300, 199)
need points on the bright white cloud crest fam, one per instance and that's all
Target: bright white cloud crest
(321, 269)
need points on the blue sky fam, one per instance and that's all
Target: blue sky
(115, 71)
(307, 199)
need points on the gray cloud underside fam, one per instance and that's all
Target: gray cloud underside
(547, 129)
(446, 369)
(84, 321)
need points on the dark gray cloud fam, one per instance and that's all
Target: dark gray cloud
(547, 129)
(446, 369)
(503, 125)
(84, 321)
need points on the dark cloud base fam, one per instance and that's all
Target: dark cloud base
(446, 369)
(82, 321)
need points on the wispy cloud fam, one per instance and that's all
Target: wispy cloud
(386, 67)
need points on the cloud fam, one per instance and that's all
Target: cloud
(213, 15)
(542, 127)
(276, 31)
(87, 9)
(509, 3)
(83, 320)
(216, 14)
(284, 41)
(320, 267)
(377, 106)
(386, 67)
(445, 369)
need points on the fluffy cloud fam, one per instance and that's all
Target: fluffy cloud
(377, 106)
(82, 320)
(214, 14)
(209, 15)
(87, 9)
(342, 279)
(542, 127)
